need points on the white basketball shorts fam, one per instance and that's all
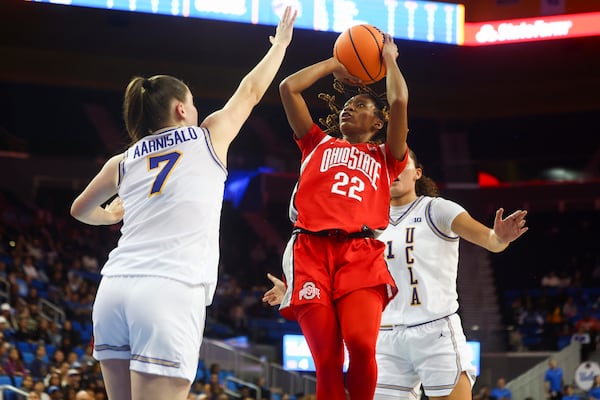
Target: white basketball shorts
(434, 354)
(156, 323)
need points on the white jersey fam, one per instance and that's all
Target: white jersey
(171, 185)
(422, 256)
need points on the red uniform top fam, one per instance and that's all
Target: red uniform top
(342, 185)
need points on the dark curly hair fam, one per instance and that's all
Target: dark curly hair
(424, 186)
(331, 122)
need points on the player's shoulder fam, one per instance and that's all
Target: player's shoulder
(440, 201)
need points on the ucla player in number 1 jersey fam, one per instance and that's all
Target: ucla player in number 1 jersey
(421, 340)
(150, 308)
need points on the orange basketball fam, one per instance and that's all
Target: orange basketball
(359, 49)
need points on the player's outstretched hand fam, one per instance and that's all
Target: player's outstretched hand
(510, 228)
(283, 33)
(274, 296)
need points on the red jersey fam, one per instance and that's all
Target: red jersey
(342, 185)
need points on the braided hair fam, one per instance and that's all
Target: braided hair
(332, 121)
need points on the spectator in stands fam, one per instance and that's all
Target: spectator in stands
(6, 312)
(237, 319)
(73, 359)
(553, 380)
(74, 277)
(40, 389)
(197, 388)
(58, 358)
(594, 392)
(515, 339)
(569, 309)
(585, 341)
(14, 365)
(64, 373)
(89, 261)
(136, 348)
(216, 386)
(23, 332)
(18, 285)
(589, 324)
(35, 249)
(531, 321)
(501, 392)
(95, 374)
(32, 298)
(483, 393)
(66, 345)
(44, 335)
(73, 380)
(54, 379)
(565, 279)
(87, 374)
(550, 280)
(27, 383)
(3, 267)
(265, 391)
(34, 396)
(55, 393)
(39, 367)
(71, 338)
(84, 395)
(54, 333)
(4, 327)
(100, 394)
(30, 271)
(58, 278)
(555, 316)
(4, 347)
(569, 393)
(86, 359)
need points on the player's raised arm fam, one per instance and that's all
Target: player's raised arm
(397, 97)
(225, 124)
(498, 238)
(87, 206)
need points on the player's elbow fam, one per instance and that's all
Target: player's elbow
(285, 87)
(75, 210)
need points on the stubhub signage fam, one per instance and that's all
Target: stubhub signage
(532, 29)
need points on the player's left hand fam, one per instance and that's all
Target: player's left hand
(510, 228)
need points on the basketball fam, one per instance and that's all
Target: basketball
(359, 49)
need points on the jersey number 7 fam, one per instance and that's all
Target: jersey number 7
(166, 162)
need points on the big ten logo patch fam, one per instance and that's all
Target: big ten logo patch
(309, 291)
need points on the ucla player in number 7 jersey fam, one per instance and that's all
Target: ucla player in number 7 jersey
(150, 308)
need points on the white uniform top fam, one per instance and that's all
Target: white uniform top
(422, 256)
(171, 185)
